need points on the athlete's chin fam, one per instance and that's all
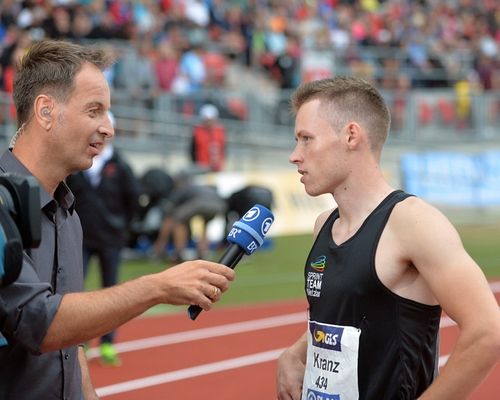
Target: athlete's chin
(313, 192)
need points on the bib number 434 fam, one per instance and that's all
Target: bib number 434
(321, 382)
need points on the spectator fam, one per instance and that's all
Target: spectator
(196, 11)
(192, 67)
(107, 202)
(208, 143)
(136, 74)
(58, 23)
(166, 66)
(286, 65)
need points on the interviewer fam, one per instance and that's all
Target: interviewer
(62, 100)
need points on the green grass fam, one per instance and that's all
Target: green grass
(483, 244)
(277, 273)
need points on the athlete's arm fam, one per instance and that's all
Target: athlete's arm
(434, 248)
(290, 370)
(88, 390)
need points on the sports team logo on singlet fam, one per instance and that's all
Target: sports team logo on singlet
(315, 278)
(319, 263)
(326, 336)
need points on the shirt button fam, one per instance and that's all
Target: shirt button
(59, 270)
(66, 356)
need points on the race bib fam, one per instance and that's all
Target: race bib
(332, 362)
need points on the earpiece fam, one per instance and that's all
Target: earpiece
(46, 112)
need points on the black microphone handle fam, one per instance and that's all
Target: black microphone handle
(230, 258)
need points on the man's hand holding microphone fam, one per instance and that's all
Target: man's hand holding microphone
(195, 282)
(200, 282)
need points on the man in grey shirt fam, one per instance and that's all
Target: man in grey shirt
(62, 100)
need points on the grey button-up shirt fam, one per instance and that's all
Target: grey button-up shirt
(29, 305)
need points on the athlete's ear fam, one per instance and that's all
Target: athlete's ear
(353, 134)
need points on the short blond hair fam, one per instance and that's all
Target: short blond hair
(345, 99)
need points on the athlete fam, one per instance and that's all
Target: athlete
(383, 266)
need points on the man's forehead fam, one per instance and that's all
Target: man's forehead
(92, 75)
(91, 84)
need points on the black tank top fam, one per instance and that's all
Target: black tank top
(398, 347)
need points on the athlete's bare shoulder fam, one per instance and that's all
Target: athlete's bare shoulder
(418, 246)
(425, 235)
(416, 213)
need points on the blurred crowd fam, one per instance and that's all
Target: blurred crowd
(184, 46)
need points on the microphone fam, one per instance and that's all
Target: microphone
(246, 235)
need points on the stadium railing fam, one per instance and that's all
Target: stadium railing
(259, 125)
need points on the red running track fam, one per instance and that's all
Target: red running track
(227, 353)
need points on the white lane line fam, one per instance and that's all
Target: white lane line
(206, 333)
(446, 322)
(495, 286)
(192, 372)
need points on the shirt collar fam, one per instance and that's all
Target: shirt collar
(62, 195)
